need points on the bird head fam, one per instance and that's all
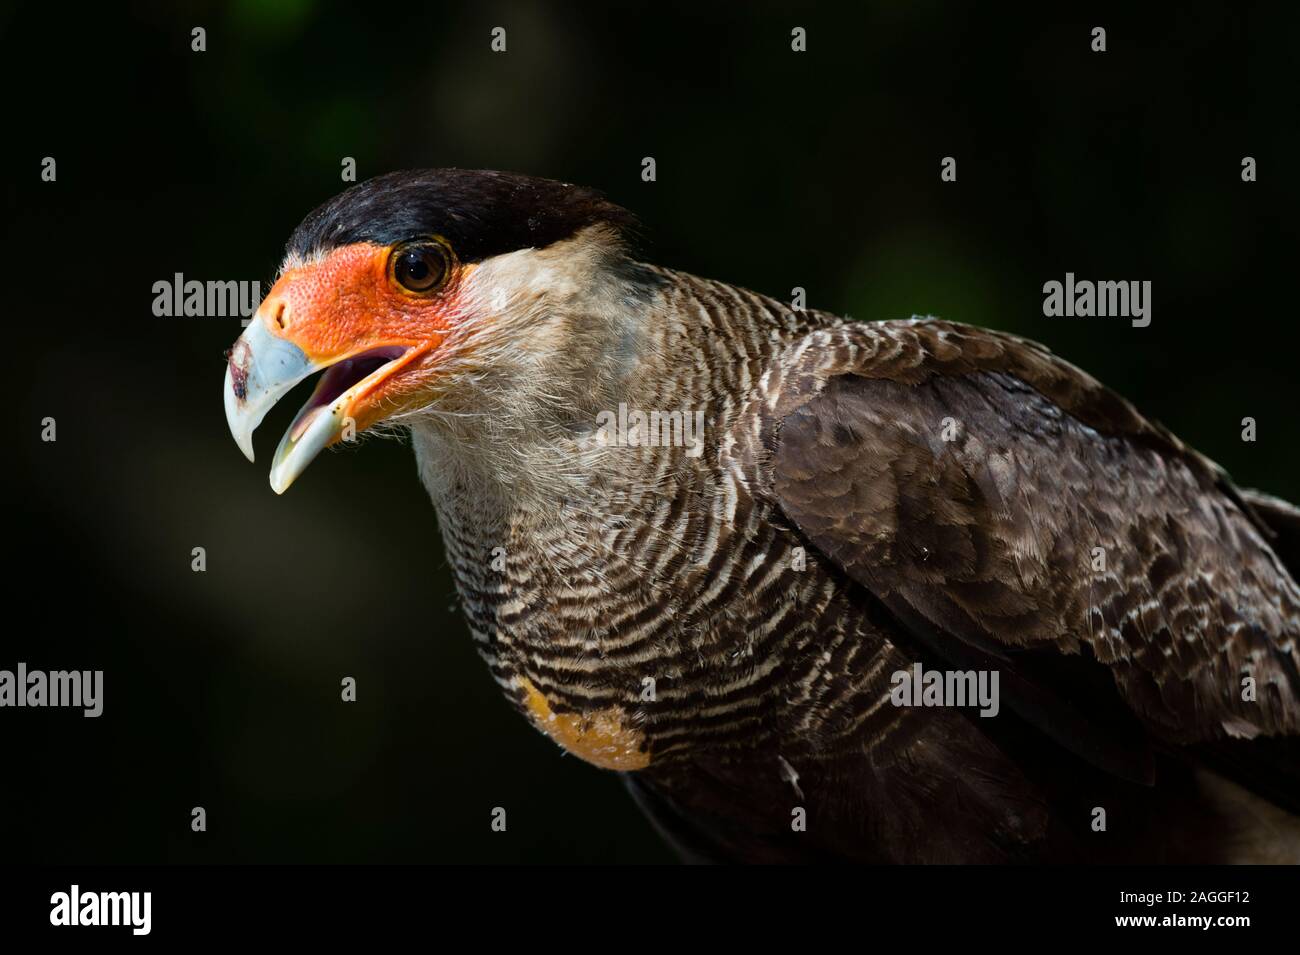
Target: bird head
(428, 292)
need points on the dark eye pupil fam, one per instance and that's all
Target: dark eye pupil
(416, 267)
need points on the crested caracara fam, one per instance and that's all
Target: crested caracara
(763, 561)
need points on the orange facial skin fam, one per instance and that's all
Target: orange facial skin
(348, 303)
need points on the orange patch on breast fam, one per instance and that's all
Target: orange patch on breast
(600, 737)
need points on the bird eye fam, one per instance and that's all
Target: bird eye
(420, 268)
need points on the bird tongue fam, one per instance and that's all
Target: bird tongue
(338, 379)
(323, 418)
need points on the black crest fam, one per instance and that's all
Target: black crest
(482, 213)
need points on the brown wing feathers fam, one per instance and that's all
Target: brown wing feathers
(996, 499)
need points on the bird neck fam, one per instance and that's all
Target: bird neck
(645, 371)
(559, 523)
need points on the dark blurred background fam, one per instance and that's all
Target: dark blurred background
(775, 170)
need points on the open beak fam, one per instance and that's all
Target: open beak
(263, 367)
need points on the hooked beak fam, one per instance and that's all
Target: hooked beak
(263, 367)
